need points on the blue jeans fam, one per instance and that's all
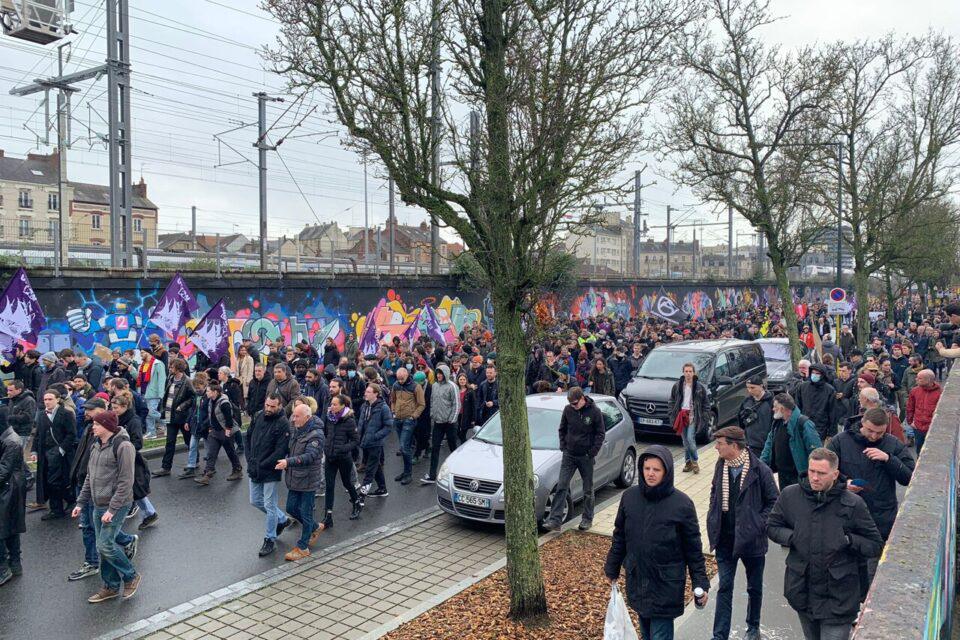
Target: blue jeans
(89, 533)
(193, 451)
(689, 437)
(405, 430)
(146, 507)
(265, 496)
(300, 506)
(656, 628)
(114, 565)
(727, 568)
(919, 437)
(152, 416)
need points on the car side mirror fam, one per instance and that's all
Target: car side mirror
(723, 380)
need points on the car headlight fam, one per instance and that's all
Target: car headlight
(443, 476)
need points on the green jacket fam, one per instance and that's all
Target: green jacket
(909, 380)
(803, 440)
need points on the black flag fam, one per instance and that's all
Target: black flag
(666, 309)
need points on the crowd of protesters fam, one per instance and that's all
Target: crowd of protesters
(313, 417)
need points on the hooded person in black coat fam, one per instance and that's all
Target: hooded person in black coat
(13, 500)
(656, 539)
(816, 398)
(828, 530)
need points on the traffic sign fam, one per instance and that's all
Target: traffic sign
(838, 308)
(838, 294)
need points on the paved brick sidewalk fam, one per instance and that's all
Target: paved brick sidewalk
(353, 593)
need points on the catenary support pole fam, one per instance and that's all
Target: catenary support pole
(669, 213)
(730, 242)
(393, 224)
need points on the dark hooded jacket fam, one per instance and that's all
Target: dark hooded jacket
(755, 418)
(23, 411)
(13, 485)
(257, 394)
(656, 539)
(828, 533)
(582, 430)
(265, 442)
(305, 457)
(817, 401)
(375, 423)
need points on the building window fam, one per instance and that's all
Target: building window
(23, 228)
(51, 230)
(138, 225)
(25, 200)
(53, 201)
(95, 221)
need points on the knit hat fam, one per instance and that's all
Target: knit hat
(477, 359)
(419, 377)
(108, 420)
(868, 377)
(565, 370)
(103, 395)
(49, 356)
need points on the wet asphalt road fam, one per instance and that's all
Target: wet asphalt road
(206, 539)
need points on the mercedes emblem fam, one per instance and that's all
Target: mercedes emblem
(651, 408)
(474, 485)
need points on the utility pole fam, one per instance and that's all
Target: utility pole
(839, 277)
(193, 227)
(118, 106)
(637, 207)
(262, 148)
(435, 129)
(693, 252)
(669, 212)
(366, 216)
(393, 223)
(729, 242)
(63, 139)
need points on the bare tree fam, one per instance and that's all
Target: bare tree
(897, 112)
(744, 132)
(561, 88)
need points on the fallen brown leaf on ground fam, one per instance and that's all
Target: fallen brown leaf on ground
(577, 595)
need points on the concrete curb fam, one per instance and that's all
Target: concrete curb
(200, 604)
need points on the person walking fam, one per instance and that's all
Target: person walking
(407, 402)
(257, 390)
(468, 406)
(267, 441)
(341, 439)
(220, 425)
(151, 383)
(127, 418)
(21, 416)
(56, 443)
(655, 510)
(488, 395)
(921, 404)
(828, 531)
(177, 406)
(689, 414)
(817, 399)
(601, 380)
(581, 436)
(756, 414)
(791, 439)
(375, 423)
(78, 474)
(444, 411)
(284, 385)
(13, 502)
(874, 462)
(741, 497)
(302, 469)
(109, 488)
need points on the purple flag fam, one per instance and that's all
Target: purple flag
(432, 322)
(174, 307)
(211, 335)
(8, 345)
(21, 317)
(368, 339)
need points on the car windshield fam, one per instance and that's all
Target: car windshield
(544, 429)
(668, 364)
(776, 351)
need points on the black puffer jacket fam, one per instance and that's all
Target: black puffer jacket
(305, 457)
(656, 538)
(256, 395)
(817, 401)
(582, 430)
(342, 436)
(265, 443)
(22, 412)
(828, 532)
(880, 492)
(756, 417)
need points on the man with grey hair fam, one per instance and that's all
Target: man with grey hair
(921, 404)
(829, 531)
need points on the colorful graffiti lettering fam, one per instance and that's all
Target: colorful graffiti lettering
(392, 317)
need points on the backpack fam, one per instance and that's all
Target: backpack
(141, 470)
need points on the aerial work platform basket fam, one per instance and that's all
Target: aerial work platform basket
(39, 21)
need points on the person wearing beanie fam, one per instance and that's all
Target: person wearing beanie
(741, 497)
(407, 402)
(52, 372)
(108, 487)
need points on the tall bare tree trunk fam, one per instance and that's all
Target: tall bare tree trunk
(786, 296)
(861, 283)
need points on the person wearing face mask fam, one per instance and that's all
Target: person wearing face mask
(791, 439)
(817, 399)
(621, 368)
(656, 510)
(828, 531)
(874, 462)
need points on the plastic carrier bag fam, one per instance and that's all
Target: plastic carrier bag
(618, 625)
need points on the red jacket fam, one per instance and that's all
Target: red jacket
(921, 404)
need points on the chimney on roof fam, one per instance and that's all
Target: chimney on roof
(423, 225)
(41, 157)
(140, 189)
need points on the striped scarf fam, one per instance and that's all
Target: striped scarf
(742, 461)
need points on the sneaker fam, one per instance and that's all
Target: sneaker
(379, 492)
(160, 473)
(428, 480)
(16, 568)
(688, 466)
(236, 474)
(315, 536)
(585, 525)
(130, 549)
(85, 571)
(149, 521)
(268, 547)
(5, 576)
(283, 525)
(203, 480)
(189, 472)
(364, 489)
(134, 511)
(53, 515)
(296, 554)
(550, 525)
(696, 467)
(130, 588)
(103, 595)
(406, 479)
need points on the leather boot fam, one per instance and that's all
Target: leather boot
(695, 468)
(236, 474)
(688, 466)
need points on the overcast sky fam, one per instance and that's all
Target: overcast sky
(195, 66)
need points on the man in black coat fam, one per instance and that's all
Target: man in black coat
(741, 497)
(267, 440)
(828, 530)
(55, 445)
(488, 396)
(816, 398)
(257, 389)
(756, 414)
(655, 510)
(176, 407)
(13, 500)
(621, 368)
(873, 462)
(21, 416)
(581, 436)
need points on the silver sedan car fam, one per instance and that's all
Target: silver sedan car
(470, 481)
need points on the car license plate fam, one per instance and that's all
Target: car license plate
(473, 501)
(656, 422)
